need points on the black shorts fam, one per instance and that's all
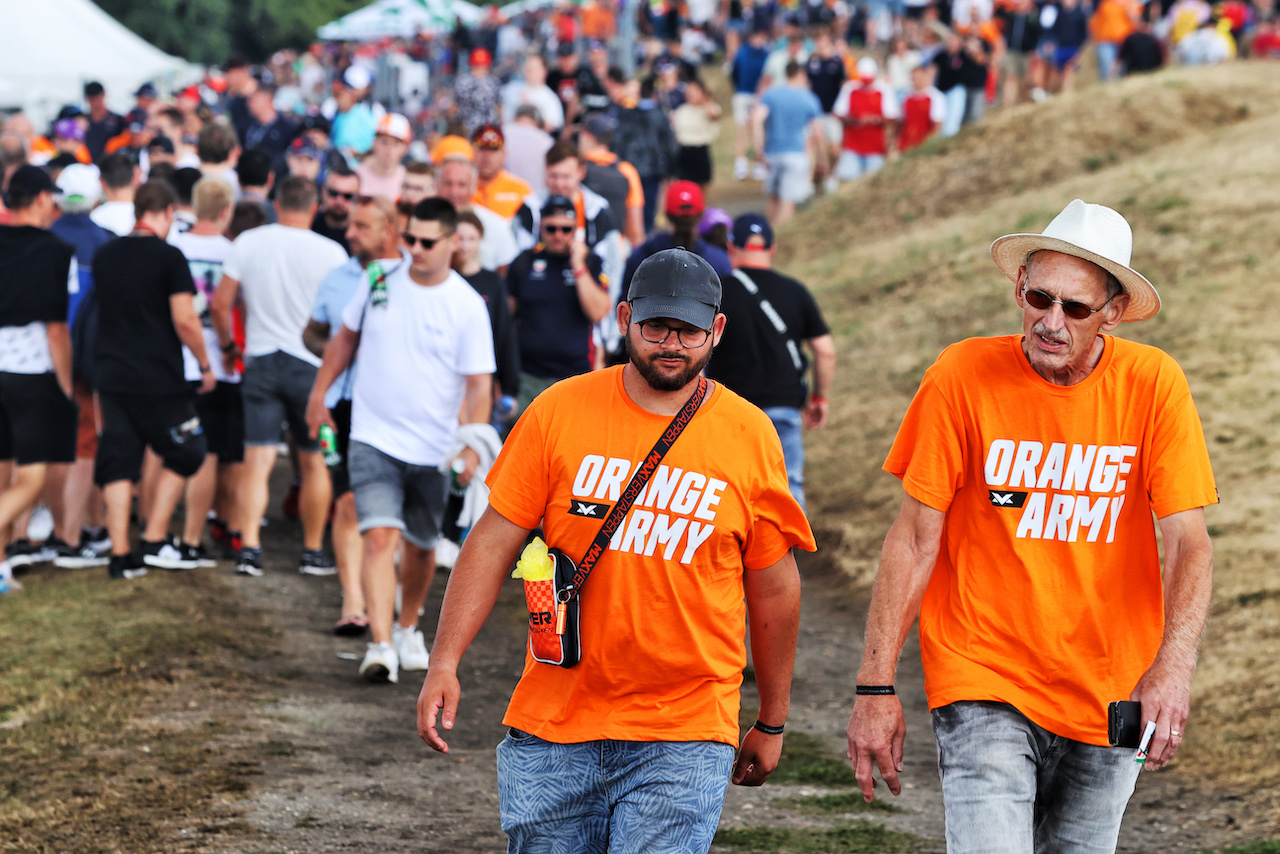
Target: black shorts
(221, 413)
(167, 423)
(341, 414)
(693, 163)
(38, 423)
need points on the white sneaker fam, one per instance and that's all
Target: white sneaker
(1039, 95)
(40, 527)
(759, 171)
(446, 553)
(411, 647)
(740, 169)
(831, 185)
(380, 664)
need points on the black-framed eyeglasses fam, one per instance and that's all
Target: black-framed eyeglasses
(558, 229)
(1071, 308)
(428, 243)
(334, 194)
(656, 332)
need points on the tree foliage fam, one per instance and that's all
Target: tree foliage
(209, 31)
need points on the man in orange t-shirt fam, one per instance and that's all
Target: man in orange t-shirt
(496, 188)
(1032, 467)
(632, 749)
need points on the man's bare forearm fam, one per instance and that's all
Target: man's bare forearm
(773, 608)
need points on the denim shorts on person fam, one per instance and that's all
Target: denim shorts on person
(787, 421)
(275, 389)
(623, 797)
(1012, 787)
(853, 165)
(394, 494)
(790, 177)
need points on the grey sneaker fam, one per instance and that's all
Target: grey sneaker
(316, 562)
(250, 562)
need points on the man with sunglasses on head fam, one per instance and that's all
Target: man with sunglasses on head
(427, 355)
(275, 270)
(341, 186)
(632, 749)
(1032, 466)
(558, 293)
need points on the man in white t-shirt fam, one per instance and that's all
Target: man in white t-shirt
(427, 357)
(221, 411)
(120, 178)
(275, 270)
(533, 91)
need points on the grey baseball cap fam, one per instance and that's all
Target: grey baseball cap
(677, 284)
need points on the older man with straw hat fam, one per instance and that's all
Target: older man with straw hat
(1032, 466)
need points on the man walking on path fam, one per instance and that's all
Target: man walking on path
(427, 354)
(632, 748)
(146, 312)
(38, 415)
(787, 128)
(276, 269)
(1032, 466)
(771, 319)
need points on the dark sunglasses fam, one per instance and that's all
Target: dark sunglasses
(428, 243)
(558, 229)
(334, 194)
(1071, 308)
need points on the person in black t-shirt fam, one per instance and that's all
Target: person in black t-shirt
(760, 356)
(576, 85)
(487, 283)
(826, 72)
(104, 125)
(38, 416)
(558, 293)
(146, 313)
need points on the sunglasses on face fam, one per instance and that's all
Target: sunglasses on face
(428, 243)
(1071, 308)
(334, 194)
(558, 229)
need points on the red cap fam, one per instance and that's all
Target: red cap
(480, 56)
(684, 198)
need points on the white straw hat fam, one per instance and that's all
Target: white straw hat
(1095, 233)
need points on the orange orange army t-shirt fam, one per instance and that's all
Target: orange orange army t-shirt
(503, 195)
(663, 616)
(1047, 590)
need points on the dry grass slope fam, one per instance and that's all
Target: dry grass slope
(901, 266)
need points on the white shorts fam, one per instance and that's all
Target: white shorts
(742, 103)
(832, 128)
(790, 177)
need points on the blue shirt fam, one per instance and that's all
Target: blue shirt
(748, 66)
(86, 236)
(790, 112)
(354, 129)
(335, 291)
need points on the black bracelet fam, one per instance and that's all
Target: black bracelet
(874, 690)
(766, 729)
(204, 369)
(228, 347)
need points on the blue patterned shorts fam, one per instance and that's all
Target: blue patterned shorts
(615, 796)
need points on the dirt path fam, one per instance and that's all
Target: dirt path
(345, 770)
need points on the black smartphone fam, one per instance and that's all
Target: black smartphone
(1124, 723)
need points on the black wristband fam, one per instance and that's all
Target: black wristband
(204, 369)
(874, 690)
(228, 347)
(766, 729)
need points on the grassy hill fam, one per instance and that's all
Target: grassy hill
(900, 264)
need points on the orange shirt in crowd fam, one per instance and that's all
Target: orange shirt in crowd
(597, 22)
(1047, 591)
(1113, 21)
(503, 195)
(663, 614)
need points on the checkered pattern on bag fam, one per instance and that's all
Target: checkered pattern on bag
(540, 597)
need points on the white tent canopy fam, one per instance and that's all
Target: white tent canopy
(400, 19)
(54, 47)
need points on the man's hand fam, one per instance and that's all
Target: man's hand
(815, 413)
(317, 415)
(229, 359)
(757, 758)
(578, 254)
(877, 732)
(439, 696)
(470, 460)
(208, 382)
(1165, 695)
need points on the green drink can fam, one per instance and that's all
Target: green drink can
(329, 446)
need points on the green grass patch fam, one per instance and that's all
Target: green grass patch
(837, 804)
(861, 837)
(1261, 847)
(806, 759)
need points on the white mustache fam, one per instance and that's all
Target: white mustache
(1039, 329)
